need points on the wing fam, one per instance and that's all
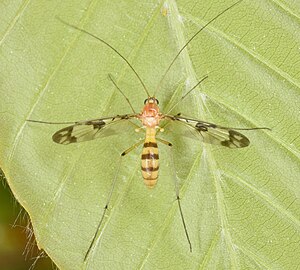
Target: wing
(92, 129)
(211, 133)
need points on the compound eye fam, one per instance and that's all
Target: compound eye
(145, 101)
(157, 102)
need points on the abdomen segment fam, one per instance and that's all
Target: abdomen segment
(150, 160)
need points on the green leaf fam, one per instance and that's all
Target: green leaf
(241, 206)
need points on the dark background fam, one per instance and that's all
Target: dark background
(17, 249)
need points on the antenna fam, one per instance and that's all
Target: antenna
(110, 46)
(200, 30)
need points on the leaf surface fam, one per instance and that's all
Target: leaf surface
(241, 206)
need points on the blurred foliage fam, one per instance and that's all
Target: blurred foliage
(18, 250)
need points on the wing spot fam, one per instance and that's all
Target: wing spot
(236, 139)
(98, 125)
(201, 127)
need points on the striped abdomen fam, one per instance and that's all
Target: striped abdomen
(150, 158)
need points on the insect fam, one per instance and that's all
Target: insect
(150, 118)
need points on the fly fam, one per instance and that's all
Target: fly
(150, 117)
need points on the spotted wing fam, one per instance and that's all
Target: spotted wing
(92, 129)
(210, 133)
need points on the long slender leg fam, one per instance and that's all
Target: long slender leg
(110, 195)
(164, 142)
(132, 148)
(127, 99)
(185, 95)
(105, 209)
(177, 191)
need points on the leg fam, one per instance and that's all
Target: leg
(109, 197)
(164, 142)
(127, 99)
(132, 148)
(177, 191)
